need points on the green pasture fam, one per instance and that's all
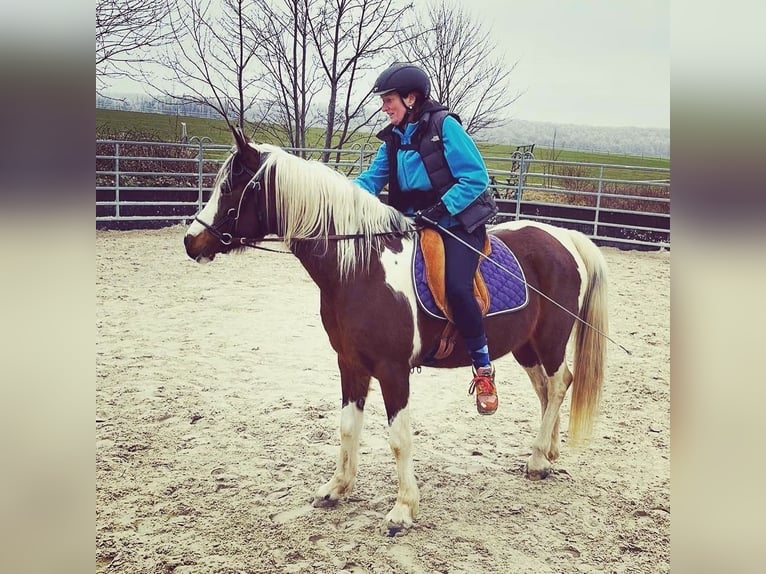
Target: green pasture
(114, 123)
(167, 128)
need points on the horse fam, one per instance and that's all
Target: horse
(358, 251)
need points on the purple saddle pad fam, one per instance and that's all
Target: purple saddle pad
(507, 290)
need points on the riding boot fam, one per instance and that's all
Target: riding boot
(486, 394)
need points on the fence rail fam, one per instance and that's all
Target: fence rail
(155, 184)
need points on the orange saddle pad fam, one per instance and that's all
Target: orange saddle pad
(432, 246)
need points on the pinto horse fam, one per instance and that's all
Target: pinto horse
(358, 251)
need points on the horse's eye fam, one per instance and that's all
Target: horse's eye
(237, 168)
(225, 189)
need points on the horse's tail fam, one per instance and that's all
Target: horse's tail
(590, 345)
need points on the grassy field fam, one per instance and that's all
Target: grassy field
(113, 123)
(110, 123)
(591, 177)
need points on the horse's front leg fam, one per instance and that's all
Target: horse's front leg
(395, 386)
(354, 386)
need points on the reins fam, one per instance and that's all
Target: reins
(254, 243)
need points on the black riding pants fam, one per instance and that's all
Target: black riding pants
(460, 267)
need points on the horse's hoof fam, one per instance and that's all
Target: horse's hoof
(392, 530)
(325, 501)
(396, 527)
(398, 521)
(538, 474)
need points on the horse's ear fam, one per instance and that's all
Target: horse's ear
(240, 138)
(247, 151)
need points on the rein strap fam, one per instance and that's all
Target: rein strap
(250, 242)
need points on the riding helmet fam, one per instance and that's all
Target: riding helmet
(402, 78)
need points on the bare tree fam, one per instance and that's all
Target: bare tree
(316, 48)
(211, 60)
(458, 55)
(292, 79)
(125, 30)
(349, 36)
(320, 48)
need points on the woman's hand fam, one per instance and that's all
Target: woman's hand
(430, 216)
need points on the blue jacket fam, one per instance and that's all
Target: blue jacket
(462, 156)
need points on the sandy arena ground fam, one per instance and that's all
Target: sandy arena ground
(217, 411)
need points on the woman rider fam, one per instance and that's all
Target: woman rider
(434, 173)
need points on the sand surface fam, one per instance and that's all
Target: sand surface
(217, 411)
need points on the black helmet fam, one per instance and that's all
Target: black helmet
(402, 78)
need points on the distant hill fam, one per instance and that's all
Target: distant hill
(653, 142)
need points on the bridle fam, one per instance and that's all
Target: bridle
(233, 215)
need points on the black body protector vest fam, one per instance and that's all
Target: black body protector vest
(427, 141)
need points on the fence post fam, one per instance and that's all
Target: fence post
(519, 187)
(200, 161)
(598, 200)
(117, 180)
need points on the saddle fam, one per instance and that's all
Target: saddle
(433, 259)
(495, 291)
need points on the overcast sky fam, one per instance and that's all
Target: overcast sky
(588, 62)
(592, 62)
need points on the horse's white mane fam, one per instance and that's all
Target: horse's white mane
(313, 201)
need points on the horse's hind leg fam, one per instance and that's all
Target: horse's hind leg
(540, 383)
(355, 384)
(394, 384)
(527, 358)
(551, 390)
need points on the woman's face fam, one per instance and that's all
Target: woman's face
(395, 107)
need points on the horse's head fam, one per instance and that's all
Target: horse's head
(234, 209)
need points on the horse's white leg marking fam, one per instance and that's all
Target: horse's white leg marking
(539, 463)
(408, 497)
(342, 482)
(540, 383)
(398, 276)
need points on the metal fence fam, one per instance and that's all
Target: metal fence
(155, 184)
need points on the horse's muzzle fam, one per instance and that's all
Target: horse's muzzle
(195, 248)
